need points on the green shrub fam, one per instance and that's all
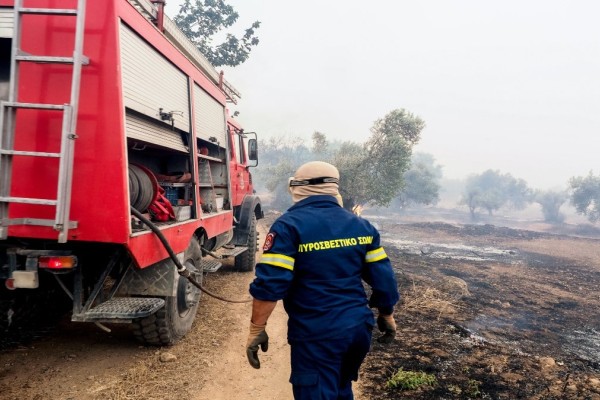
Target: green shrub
(473, 388)
(409, 380)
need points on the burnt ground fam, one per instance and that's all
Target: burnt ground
(492, 313)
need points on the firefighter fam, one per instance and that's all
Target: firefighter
(315, 258)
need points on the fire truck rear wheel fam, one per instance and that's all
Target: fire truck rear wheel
(174, 320)
(247, 260)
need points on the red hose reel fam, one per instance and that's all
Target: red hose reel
(159, 206)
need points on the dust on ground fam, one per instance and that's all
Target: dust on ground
(490, 312)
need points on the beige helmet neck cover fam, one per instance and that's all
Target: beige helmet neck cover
(315, 170)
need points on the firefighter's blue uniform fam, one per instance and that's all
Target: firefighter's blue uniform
(315, 258)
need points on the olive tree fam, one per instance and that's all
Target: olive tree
(492, 190)
(201, 20)
(373, 173)
(320, 144)
(585, 196)
(421, 182)
(355, 183)
(551, 201)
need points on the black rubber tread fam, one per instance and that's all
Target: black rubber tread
(246, 261)
(135, 174)
(168, 325)
(134, 188)
(146, 191)
(148, 321)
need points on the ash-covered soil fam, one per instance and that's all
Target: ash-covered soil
(491, 313)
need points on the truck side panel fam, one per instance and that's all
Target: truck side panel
(146, 249)
(99, 194)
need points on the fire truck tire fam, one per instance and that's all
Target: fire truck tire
(171, 323)
(246, 261)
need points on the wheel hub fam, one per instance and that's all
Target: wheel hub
(188, 295)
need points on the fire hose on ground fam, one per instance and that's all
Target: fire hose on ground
(181, 269)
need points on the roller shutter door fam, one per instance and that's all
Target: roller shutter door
(209, 116)
(7, 16)
(150, 132)
(151, 82)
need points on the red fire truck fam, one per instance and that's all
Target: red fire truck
(109, 112)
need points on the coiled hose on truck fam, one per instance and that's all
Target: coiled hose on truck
(181, 269)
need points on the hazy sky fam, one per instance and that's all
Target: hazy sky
(511, 85)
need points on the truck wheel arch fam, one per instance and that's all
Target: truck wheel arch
(243, 215)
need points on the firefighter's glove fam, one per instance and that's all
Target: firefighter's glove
(387, 325)
(257, 337)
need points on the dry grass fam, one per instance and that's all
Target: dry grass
(142, 381)
(150, 378)
(430, 299)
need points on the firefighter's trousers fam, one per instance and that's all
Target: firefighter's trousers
(325, 369)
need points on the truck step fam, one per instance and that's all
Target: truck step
(211, 265)
(121, 308)
(226, 252)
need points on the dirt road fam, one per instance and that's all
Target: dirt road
(231, 377)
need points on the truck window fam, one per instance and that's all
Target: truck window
(239, 149)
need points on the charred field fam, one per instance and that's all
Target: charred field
(491, 313)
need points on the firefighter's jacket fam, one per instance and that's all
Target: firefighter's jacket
(315, 258)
